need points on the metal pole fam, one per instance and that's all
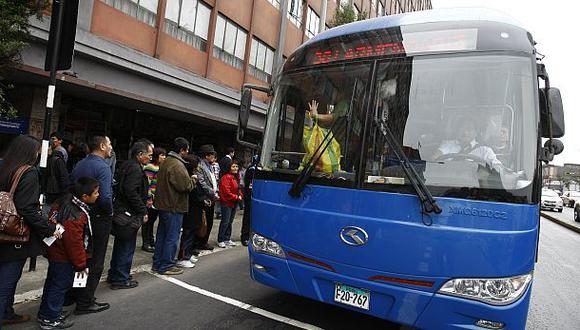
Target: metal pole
(52, 82)
(278, 59)
(322, 24)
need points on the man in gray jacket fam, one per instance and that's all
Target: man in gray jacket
(209, 196)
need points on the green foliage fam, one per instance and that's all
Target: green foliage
(345, 14)
(14, 36)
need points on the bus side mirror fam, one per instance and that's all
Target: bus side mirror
(551, 102)
(556, 146)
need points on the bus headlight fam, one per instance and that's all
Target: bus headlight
(494, 291)
(262, 244)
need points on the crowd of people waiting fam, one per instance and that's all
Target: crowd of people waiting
(82, 209)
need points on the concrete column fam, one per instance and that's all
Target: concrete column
(37, 112)
(85, 14)
(323, 8)
(278, 60)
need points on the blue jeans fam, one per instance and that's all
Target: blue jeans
(10, 273)
(58, 281)
(225, 231)
(121, 260)
(167, 240)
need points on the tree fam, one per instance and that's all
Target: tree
(345, 14)
(14, 36)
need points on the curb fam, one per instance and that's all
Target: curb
(560, 222)
(33, 295)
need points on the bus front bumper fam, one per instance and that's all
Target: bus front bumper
(404, 305)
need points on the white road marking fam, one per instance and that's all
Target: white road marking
(36, 294)
(236, 303)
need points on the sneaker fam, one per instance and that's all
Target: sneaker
(193, 259)
(63, 316)
(56, 324)
(245, 242)
(185, 264)
(222, 245)
(231, 243)
(173, 271)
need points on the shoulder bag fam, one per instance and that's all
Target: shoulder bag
(13, 229)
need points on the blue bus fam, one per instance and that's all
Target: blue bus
(400, 169)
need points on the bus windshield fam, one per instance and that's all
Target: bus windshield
(464, 120)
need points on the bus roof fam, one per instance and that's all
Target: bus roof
(416, 33)
(418, 17)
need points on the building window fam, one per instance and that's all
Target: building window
(275, 3)
(229, 42)
(261, 60)
(312, 23)
(188, 21)
(143, 10)
(381, 10)
(295, 12)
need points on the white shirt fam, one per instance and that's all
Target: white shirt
(483, 152)
(212, 175)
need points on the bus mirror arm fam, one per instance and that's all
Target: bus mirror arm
(551, 117)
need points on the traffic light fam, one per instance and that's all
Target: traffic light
(66, 39)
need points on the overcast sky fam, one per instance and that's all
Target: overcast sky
(554, 25)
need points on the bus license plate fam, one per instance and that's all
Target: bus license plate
(348, 295)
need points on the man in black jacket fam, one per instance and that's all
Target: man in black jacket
(130, 200)
(226, 160)
(248, 182)
(57, 181)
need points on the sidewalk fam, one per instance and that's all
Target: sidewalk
(562, 219)
(30, 285)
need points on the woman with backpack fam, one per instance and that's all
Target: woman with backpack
(19, 160)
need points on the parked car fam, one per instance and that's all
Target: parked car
(551, 201)
(570, 198)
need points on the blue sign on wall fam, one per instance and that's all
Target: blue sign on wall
(14, 126)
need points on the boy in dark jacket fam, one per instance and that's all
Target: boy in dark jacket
(69, 254)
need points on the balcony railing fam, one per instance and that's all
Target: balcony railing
(132, 9)
(228, 58)
(188, 37)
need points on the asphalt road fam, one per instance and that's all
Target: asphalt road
(218, 294)
(567, 213)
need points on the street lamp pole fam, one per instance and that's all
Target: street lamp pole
(52, 81)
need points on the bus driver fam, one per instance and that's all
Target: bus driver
(466, 146)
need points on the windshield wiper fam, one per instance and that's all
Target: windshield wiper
(428, 203)
(300, 182)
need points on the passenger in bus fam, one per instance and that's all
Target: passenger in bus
(331, 113)
(316, 127)
(466, 145)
